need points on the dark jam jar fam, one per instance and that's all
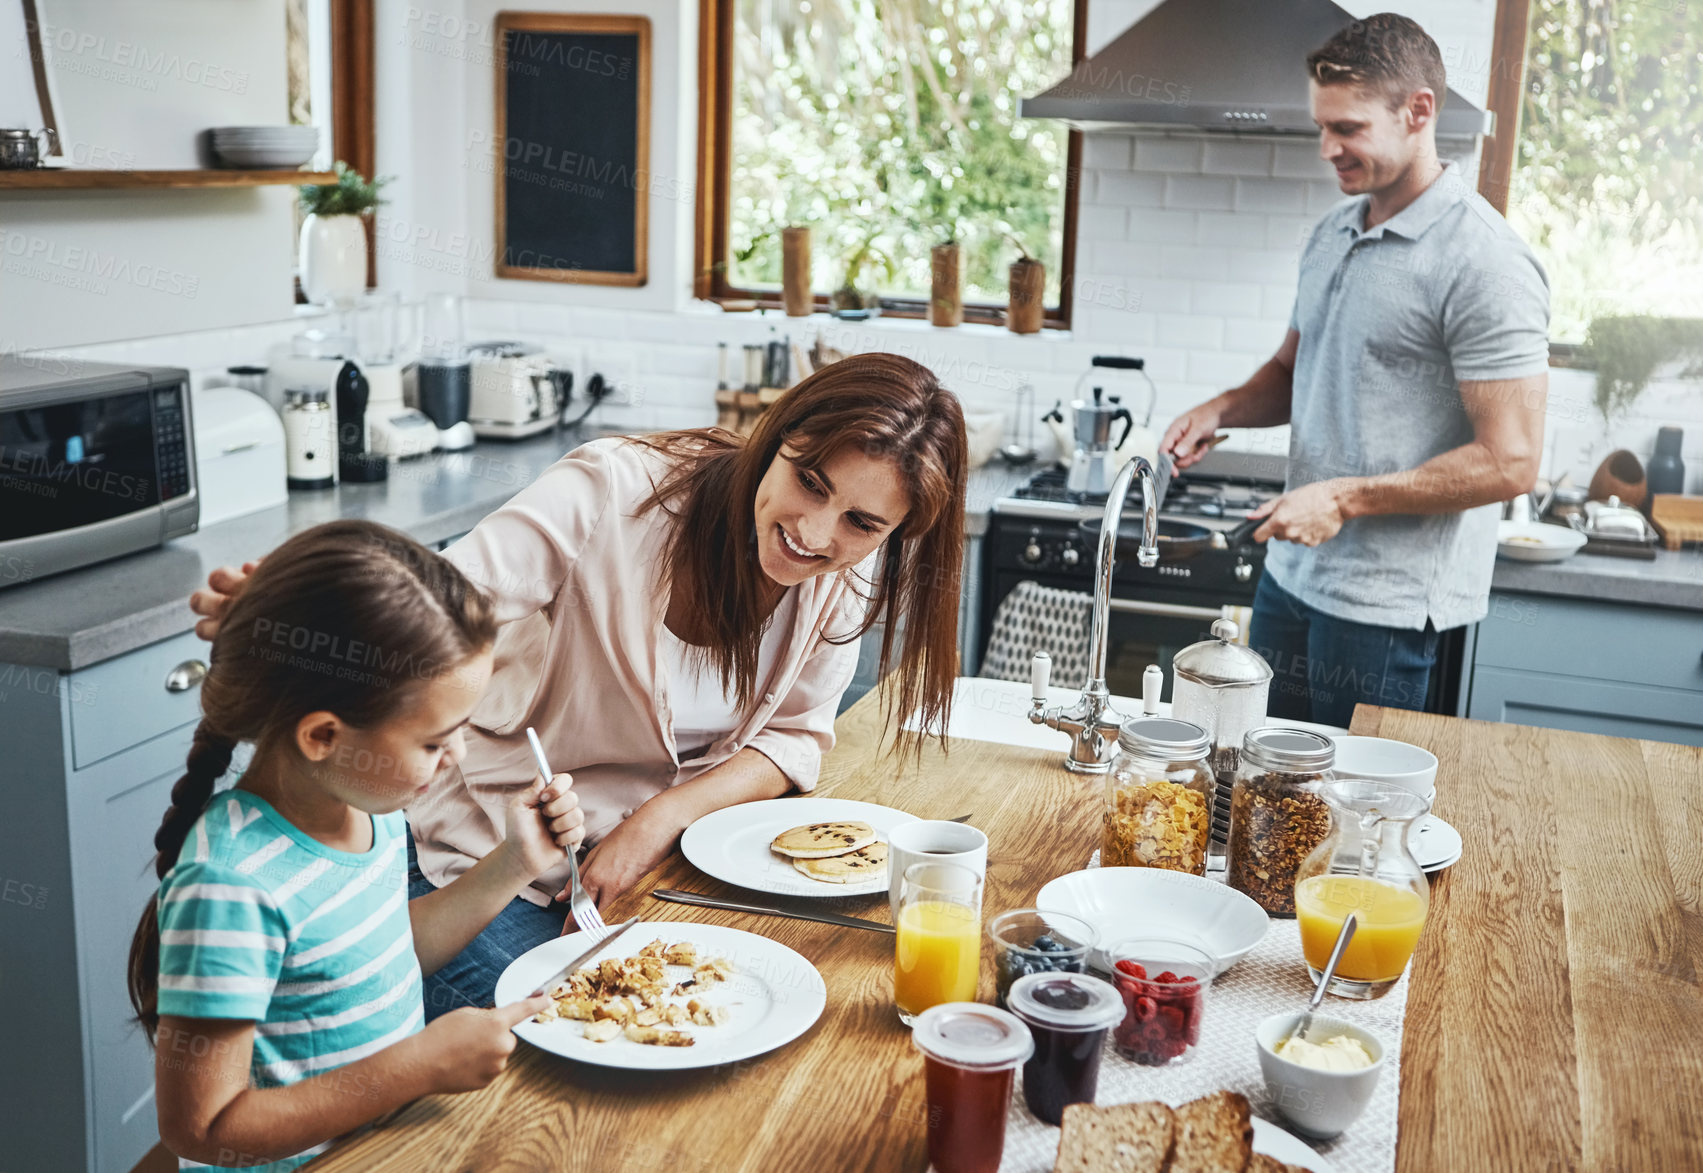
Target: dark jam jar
(970, 1054)
(1068, 1014)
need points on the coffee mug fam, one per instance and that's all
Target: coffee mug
(932, 841)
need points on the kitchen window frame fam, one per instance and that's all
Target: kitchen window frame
(713, 211)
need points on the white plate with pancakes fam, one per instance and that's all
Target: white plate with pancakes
(737, 845)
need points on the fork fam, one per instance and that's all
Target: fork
(580, 904)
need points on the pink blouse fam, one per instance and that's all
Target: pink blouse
(575, 578)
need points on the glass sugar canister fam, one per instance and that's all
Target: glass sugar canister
(1158, 797)
(1222, 685)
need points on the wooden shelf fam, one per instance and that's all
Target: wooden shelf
(48, 179)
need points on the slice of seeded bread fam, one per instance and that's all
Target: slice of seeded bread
(1215, 1134)
(1119, 1138)
(1260, 1163)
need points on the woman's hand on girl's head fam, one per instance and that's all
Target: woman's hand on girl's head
(468, 1048)
(223, 586)
(544, 823)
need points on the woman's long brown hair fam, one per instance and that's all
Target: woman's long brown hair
(887, 407)
(347, 617)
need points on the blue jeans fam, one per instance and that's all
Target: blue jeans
(1323, 666)
(470, 977)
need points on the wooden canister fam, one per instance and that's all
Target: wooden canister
(946, 297)
(795, 271)
(1028, 296)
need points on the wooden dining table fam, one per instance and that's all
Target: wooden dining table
(1554, 1017)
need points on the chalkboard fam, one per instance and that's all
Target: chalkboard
(572, 158)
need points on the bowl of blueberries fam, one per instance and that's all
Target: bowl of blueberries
(1027, 940)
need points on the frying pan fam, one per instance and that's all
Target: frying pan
(1178, 540)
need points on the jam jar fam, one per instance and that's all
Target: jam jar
(1278, 813)
(1158, 797)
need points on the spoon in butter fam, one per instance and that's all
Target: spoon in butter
(1343, 936)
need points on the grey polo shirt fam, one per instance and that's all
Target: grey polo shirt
(1391, 321)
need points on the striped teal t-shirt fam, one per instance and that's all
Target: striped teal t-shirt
(259, 921)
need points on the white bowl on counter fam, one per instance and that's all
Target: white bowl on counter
(1122, 903)
(1320, 1104)
(1536, 541)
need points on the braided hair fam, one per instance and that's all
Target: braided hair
(346, 617)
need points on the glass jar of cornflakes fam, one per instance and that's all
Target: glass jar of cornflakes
(1159, 797)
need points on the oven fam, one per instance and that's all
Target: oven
(1155, 613)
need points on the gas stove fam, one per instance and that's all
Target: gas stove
(1035, 534)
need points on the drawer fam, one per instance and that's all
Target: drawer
(126, 701)
(1653, 646)
(1610, 708)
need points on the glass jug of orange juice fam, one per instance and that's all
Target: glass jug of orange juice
(1365, 866)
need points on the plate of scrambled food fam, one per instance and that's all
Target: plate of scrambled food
(667, 995)
(796, 846)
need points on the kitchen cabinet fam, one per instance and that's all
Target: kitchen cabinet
(1592, 667)
(91, 759)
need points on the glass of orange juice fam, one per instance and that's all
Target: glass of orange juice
(1364, 866)
(938, 951)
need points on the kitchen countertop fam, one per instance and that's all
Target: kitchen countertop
(1674, 579)
(73, 620)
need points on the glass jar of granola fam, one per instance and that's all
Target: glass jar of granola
(1158, 797)
(1277, 812)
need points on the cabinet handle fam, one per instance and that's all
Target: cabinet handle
(185, 676)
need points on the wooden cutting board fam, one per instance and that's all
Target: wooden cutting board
(1678, 519)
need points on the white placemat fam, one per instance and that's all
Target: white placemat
(1271, 978)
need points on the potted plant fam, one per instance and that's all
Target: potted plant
(1028, 292)
(946, 294)
(334, 241)
(849, 302)
(1628, 351)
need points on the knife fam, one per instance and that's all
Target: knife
(582, 958)
(828, 918)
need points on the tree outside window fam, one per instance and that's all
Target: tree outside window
(889, 126)
(1608, 184)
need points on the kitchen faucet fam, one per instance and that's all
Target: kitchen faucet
(1092, 722)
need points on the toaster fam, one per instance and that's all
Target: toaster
(239, 454)
(516, 392)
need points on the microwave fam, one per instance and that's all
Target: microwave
(97, 460)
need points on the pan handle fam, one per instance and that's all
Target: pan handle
(1241, 536)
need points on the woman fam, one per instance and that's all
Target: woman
(680, 619)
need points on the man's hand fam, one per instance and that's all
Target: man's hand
(1187, 436)
(622, 857)
(1307, 516)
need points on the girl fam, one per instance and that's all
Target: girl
(680, 619)
(278, 970)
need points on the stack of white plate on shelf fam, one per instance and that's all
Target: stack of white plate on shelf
(265, 146)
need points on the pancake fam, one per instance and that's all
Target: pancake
(820, 840)
(866, 863)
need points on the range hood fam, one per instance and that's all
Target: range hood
(1215, 65)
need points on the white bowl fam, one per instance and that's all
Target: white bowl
(1536, 541)
(1378, 759)
(1318, 1103)
(1152, 902)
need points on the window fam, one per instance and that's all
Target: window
(1607, 181)
(886, 126)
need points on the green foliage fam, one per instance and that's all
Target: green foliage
(1627, 350)
(1608, 182)
(890, 126)
(351, 195)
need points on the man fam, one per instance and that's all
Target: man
(1413, 378)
